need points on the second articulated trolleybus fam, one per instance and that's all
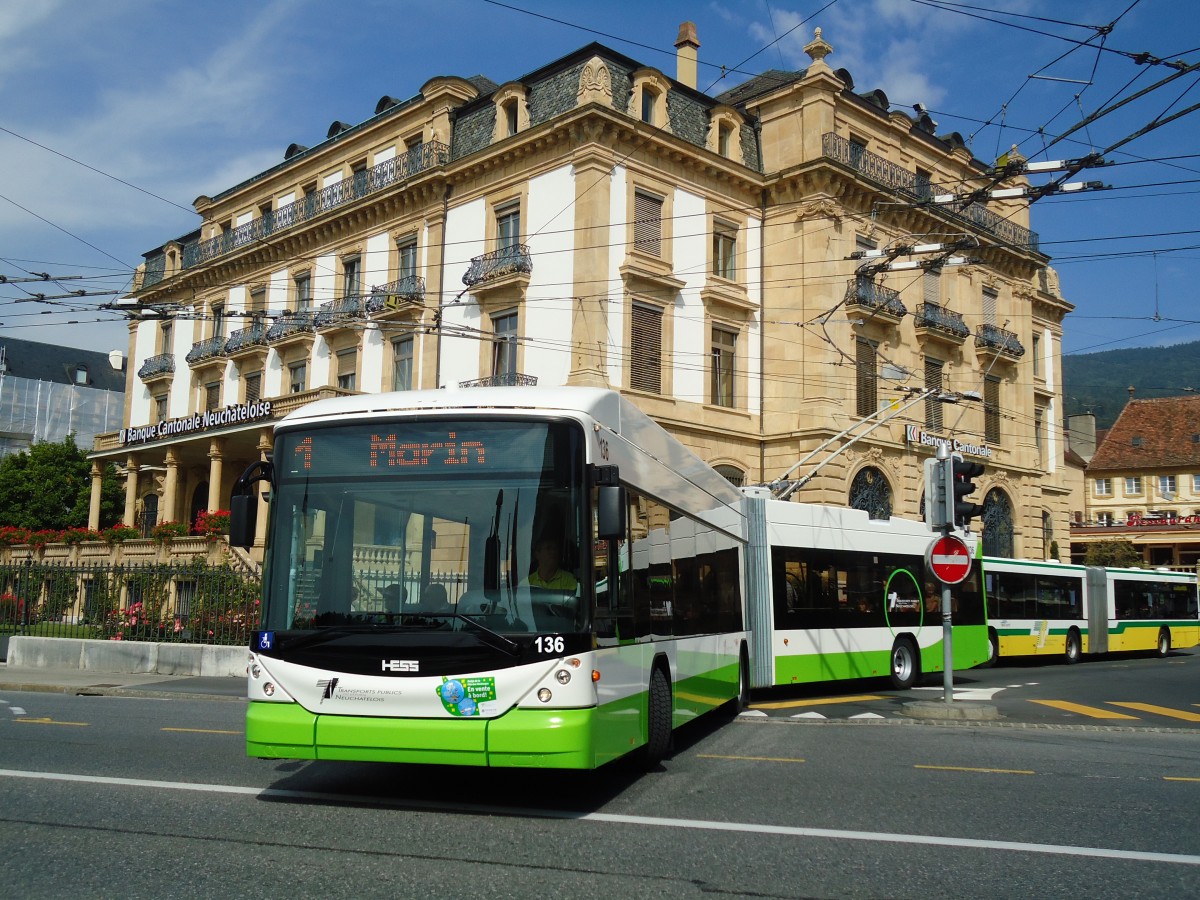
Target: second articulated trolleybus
(543, 577)
(1049, 608)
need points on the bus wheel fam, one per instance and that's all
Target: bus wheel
(906, 665)
(993, 650)
(1164, 642)
(1074, 648)
(743, 695)
(658, 718)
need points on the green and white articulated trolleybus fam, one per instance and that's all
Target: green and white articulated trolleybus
(543, 577)
(537, 577)
(1049, 608)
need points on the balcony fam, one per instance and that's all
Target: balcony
(247, 338)
(340, 312)
(209, 348)
(508, 379)
(362, 184)
(893, 178)
(935, 321)
(399, 294)
(998, 340)
(882, 303)
(290, 325)
(157, 366)
(511, 260)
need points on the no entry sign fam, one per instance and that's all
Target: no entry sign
(949, 559)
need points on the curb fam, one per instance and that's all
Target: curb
(959, 711)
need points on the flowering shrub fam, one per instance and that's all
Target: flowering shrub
(164, 531)
(212, 524)
(78, 535)
(41, 538)
(12, 608)
(11, 534)
(119, 533)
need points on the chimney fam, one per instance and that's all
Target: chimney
(686, 46)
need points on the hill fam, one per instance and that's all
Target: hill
(1099, 382)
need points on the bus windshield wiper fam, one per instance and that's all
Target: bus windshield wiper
(500, 642)
(332, 632)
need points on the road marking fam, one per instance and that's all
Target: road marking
(985, 771)
(807, 715)
(1179, 778)
(203, 731)
(17, 711)
(928, 840)
(1161, 710)
(750, 758)
(819, 701)
(46, 720)
(867, 716)
(1094, 711)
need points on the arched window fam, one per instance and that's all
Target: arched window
(732, 474)
(871, 491)
(997, 524)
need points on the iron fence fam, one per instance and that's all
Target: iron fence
(194, 603)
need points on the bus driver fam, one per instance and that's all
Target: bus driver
(548, 574)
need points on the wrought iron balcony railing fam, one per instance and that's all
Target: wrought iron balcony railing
(163, 364)
(206, 349)
(363, 183)
(289, 324)
(867, 294)
(156, 270)
(506, 261)
(336, 312)
(398, 294)
(891, 176)
(254, 335)
(941, 319)
(993, 337)
(508, 379)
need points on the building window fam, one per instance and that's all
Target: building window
(1166, 486)
(1103, 487)
(212, 395)
(724, 345)
(218, 314)
(297, 377)
(649, 99)
(991, 300)
(347, 364)
(160, 408)
(510, 117)
(504, 350)
(1036, 352)
(732, 474)
(253, 387)
(924, 184)
(402, 363)
(724, 251)
(934, 369)
(406, 257)
(931, 287)
(1039, 425)
(645, 348)
(1047, 534)
(1133, 484)
(258, 303)
(991, 409)
(858, 149)
(871, 491)
(647, 223)
(1196, 484)
(867, 378)
(1104, 518)
(303, 283)
(351, 276)
(165, 337)
(725, 139)
(508, 227)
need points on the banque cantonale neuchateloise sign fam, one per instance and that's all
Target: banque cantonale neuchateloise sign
(197, 422)
(914, 435)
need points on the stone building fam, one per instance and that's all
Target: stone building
(735, 264)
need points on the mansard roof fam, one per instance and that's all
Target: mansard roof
(1159, 433)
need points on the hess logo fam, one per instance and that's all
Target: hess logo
(400, 665)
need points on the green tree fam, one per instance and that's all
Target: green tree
(1113, 553)
(50, 485)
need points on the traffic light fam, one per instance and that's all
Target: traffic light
(959, 485)
(937, 515)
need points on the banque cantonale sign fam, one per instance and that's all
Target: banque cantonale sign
(197, 422)
(914, 435)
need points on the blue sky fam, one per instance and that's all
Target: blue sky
(141, 106)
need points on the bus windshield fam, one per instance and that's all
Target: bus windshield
(428, 527)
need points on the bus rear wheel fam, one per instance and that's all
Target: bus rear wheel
(906, 665)
(1164, 642)
(658, 718)
(1074, 651)
(742, 702)
(993, 650)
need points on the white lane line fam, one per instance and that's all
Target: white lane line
(928, 840)
(16, 711)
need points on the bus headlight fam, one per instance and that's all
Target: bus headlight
(269, 689)
(544, 695)
(562, 676)
(255, 670)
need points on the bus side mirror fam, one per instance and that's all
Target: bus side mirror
(243, 517)
(611, 510)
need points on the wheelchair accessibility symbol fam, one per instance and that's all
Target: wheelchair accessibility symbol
(266, 640)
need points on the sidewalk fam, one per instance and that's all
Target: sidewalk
(79, 681)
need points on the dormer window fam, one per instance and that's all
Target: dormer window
(649, 100)
(510, 117)
(81, 374)
(512, 111)
(724, 133)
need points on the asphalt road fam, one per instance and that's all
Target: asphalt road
(106, 796)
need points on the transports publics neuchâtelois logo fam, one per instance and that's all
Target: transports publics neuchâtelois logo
(196, 422)
(914, 435)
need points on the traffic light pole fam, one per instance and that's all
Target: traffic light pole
(943, 453)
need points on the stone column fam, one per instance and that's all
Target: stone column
(593, 167)
(94, 500)
(170, 487)
(216, 456)
(131, 487)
